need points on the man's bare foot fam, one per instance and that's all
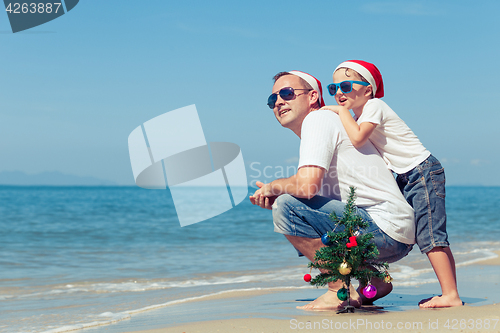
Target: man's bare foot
(383, 289)
(330, 302)
(440, 302)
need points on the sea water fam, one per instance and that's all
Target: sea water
(77, 257)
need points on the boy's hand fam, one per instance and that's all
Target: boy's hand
(334, 108)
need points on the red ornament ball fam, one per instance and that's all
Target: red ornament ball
(307, 277)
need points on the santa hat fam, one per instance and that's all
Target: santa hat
(369, 71)
(313, 82)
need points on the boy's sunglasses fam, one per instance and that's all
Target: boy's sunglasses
(286, 93)
(345, 86)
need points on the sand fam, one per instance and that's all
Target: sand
(274, 310)
(458, 319)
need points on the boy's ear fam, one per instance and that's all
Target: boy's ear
(369, 91)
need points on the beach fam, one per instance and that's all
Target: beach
(464, 319)
(274, 310)
(114, 260)
(127, 126)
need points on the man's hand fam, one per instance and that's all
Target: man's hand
(263, 197)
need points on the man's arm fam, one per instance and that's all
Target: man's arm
(319, 137)
(306, 183)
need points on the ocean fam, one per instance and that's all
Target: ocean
(77, 257)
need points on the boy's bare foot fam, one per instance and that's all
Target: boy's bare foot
(440, 302)
(330, 302)
(383, 289)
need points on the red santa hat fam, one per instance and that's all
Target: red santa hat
(314, 82)
(369, 71)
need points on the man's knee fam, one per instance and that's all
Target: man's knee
(283, 205)
(283, 201)
(281, 213)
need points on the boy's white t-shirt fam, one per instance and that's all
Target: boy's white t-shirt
(399, 146)
(324, 143)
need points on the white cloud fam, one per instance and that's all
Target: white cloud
(478, 162)
(449, 160)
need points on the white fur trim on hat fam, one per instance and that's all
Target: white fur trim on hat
(312, 81)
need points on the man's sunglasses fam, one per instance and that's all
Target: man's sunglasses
(344, 86)
(287, 94)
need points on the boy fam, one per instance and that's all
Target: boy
(359, 87)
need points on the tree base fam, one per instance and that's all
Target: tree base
(347, 309)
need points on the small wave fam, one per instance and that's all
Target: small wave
(406, 275)
(111, 318)
(148, 285)
(197, 298)
(413, 282)
(486, 256)
(400, 272)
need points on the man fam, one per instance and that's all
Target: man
(328, 165)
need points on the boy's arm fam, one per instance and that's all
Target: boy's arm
(358, 134)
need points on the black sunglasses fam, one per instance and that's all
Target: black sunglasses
(286, 93)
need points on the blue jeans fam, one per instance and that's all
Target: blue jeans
(309, 218)
(424, 189)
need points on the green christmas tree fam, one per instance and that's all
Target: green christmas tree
(349, 254)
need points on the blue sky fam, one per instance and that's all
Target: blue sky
(73, 89)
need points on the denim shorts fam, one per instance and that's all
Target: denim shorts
(310, 218)
(424, 189)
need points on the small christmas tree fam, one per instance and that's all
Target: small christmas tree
(349, 254)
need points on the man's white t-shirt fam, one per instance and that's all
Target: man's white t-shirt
(399, 146)
(324, 143)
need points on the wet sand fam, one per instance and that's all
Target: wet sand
(274, 310)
